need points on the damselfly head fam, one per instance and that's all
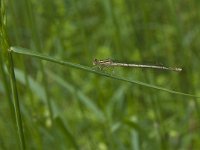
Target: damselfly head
(95, 61)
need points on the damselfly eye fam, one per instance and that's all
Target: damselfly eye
(95, 61)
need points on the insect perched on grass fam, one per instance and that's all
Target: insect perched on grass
(109, 63)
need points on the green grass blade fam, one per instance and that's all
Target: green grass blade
(16, 102)
(23, 51)
(6, 87)
(135, 140)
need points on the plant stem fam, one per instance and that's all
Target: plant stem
(16, 101)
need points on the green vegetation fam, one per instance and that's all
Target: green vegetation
(52, 97)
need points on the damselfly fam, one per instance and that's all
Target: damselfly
(109, 63)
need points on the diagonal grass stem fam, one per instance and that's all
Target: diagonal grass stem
(89, 69)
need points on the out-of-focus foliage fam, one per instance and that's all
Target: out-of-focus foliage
(93, 112)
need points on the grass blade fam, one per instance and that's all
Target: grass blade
(16, 102)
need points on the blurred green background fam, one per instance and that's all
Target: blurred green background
(65, 108)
